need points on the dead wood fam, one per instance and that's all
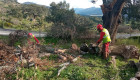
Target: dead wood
(113, 61)
(126, 51)
(44, 54)
(17, 36)
(64, 65)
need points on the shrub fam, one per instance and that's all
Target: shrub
(17, 38)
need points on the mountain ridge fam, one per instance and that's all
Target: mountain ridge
(92, 11)
(88, 11)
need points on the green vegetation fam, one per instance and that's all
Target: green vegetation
(37, 17)
(64, 43)
(3, 37)
(131, 14)
(67, 24)
(23, 16)
(131, 41)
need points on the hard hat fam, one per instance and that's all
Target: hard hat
(30, 34)
(99, 26)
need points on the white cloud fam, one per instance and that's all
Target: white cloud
(73, 3)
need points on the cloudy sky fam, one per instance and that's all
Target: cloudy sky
(73, 3)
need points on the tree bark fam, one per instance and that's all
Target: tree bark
(112, 16)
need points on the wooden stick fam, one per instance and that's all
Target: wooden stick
(66, 64)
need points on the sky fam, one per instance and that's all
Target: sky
(73, 3)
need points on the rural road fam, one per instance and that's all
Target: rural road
(6, 32)
(43, 34)
(127, 35)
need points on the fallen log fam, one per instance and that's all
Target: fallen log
(126, 51)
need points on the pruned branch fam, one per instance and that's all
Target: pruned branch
(66, 64)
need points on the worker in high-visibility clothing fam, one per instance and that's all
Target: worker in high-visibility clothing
(32, 39)
(105, 38)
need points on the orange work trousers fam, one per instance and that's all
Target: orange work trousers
(105, 50)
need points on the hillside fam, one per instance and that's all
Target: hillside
(22, 16)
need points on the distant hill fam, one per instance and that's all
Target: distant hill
(88, 11)
(8, 1)
(29, 3)
(33, 3)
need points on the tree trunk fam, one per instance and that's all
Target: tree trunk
(112, 16)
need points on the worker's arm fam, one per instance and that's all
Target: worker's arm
(36, 40)
(101, 37)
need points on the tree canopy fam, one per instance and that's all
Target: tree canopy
(67, 24)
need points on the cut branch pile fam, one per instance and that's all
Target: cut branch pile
(11, 58)
(7, 60)
(6, 53)
(63, 54)
(31, 54)
(17, 36)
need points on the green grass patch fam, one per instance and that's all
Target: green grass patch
(4, 37)
(130, 41)
(88, 67)
(51, 57)
(63, 43)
